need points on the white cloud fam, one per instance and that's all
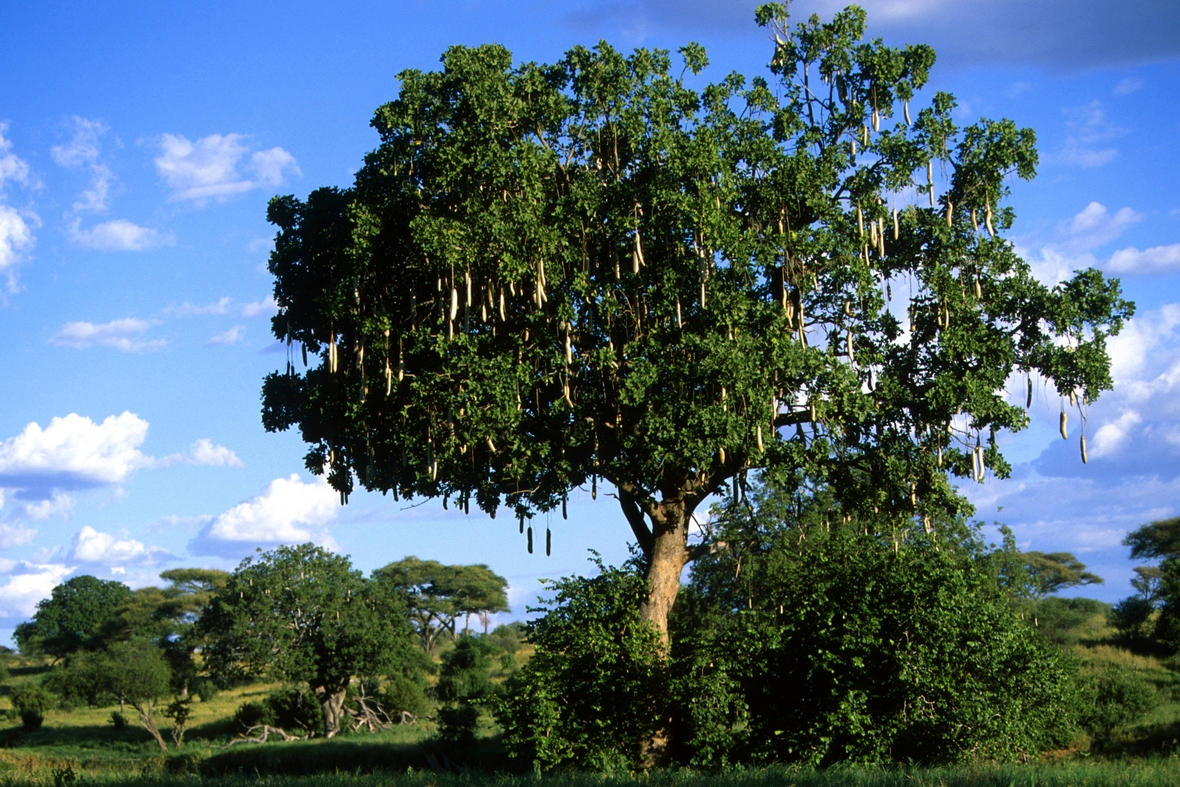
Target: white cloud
(73, 451)
(209, 168)
(1128, 85)
(186, 309)
(288, 511)
(265, 306)
(116, 334)
(232, 336)
(1086, 126)
(60, 504)
(1095, 225)
(15, 238)
(12, 167)
(1157, 259)
(1112, 436)
(92, 546)
(12, 535)
(118, 235)
(205, 452)
(83, 146)
(27, 584)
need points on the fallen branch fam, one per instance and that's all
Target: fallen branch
(266, 732)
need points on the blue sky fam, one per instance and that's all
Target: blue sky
(140, 142)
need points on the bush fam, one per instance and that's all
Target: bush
(855, 648)
(206, 690)
(1131, 617)
(402, 693)
(290, 709)
(590, 694)
(456, 723)
(31, 720)
(1113, 698)
(118, 720)
(33, 697)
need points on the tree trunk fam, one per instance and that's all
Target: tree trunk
(332, 702)
(665, 545)
(148, 720)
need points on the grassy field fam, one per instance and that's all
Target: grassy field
(81, 747)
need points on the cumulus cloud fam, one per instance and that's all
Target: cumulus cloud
(1095, 226)
(27, 584)
(124, 335)
(16, 234)
(288, 511)
(73, 452)
(16, 237)
(60, 504)
(83, 145)
(92, 546)
(265, 306)
(1070, 248)
(205, 452)
(118, 235)
(219, 166)
(15, 535)
(231, 336)
(1157, 259)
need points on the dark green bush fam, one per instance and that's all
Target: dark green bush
(33, 697)
(118, 720)
(457, 723)
(401, 693)
(31, 720)
(291, 709)
(1113, 698)
(591, 693)
(1131, 617)
(206, 690)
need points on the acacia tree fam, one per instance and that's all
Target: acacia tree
(303, 615)
(547, 275)
(436, 595)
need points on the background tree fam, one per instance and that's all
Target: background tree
(550, 274)
(73, 617)
(1148, 582)
(1157, 540)
(436, 594)
(303, 615)
(1051, 572)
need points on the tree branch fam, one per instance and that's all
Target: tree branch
(634, 516)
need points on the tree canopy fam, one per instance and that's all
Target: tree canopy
(436, 594)
(74, 616)
(1050, 572)
(303, 615)
(551, 274)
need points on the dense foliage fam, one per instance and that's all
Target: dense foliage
(73, 617)
(303, 615)
(548, 274)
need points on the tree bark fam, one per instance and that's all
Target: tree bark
(148, 720)
(332, 702)
(666, 561)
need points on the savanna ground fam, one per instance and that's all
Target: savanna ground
(81, 746)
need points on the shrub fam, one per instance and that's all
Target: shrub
(31, 720)
(588, 696)
(456, 723)
(402, 693)
(1113, 698)
(33, 697)
(206, 690)
(1131, 617)
(288, 708)
(118, 720)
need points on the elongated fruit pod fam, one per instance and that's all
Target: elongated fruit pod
(851, 352)
(978, 289)
(303, 351)
(564, 513)
(1085, 459)
(530, 539)
(876, 120)
(930, 179)
(1064, 423)
(721, 454)
(854, 147)
(454, 303)
(988, 221)
(974, 221)
(896, 228)
(491, 445)
(758, 434)
(950, 213)
(548, 542)
(860, 219)
(1028, 401)
(1073, 399)
(906, 109)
